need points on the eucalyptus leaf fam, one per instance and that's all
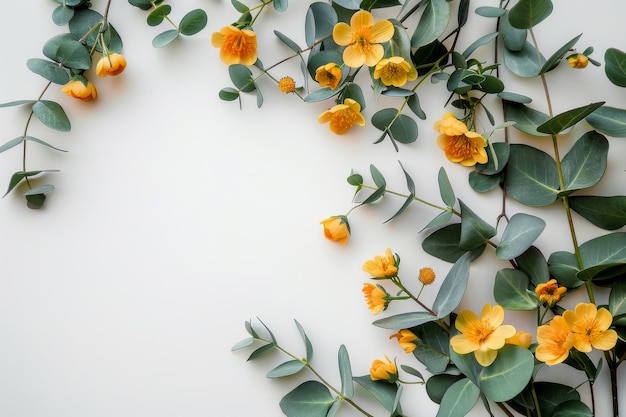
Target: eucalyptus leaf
(525, 62)
(156, 16)
(584, 164)
(287, 41)
(508, 375)
(520, 233)
(41, 142)
(475, 232)
(489, 11)
(319, 22)
(432, 23)
(484, 183)
(405, 320)
(62, 15)
(564, 267)
(438, 384)
(52, 115)
(17, 103)
(439, 220)
(532, 177)
(382, 391)
(320, 95)
(615, 66)
(416, 108)
(48, 70)
(608, 213)
(459, 399)
(510, 290)
(445, 188)
(12, 143)
(288, 368)
(526, 14)
(243, 344)
(610, 121)
(73, 54)
(483, 40)
(261, 351)
(85, 20)
(228, 94)
(567, 119)
(516, 98)
(241, 76)
(444, 244)
(193, 22)
(453, 287)
(573, 408)
(604, 249)
(280, 5)
(555, 59)
(617, 299)
(526, 119)
(309, 399)
(165, 38)
(345, 372)
(305, 339)
(513, 39)
(433, 347)
(534, 264)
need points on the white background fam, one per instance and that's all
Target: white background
(177, 216)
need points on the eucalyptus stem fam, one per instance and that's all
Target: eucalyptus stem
(30, 117)
(419, 200)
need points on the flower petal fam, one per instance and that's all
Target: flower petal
(342, 34)
(382, 31)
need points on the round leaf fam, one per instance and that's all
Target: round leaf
(193, 22)
(48, 70)
(532, 177)
(510, 290)
(156, 16)
(520, 233)
(309, 399)
(615, 66)
(508, 375)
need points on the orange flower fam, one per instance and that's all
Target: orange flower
(237, 46)
(549, 292)
(343, 116)
(376, 297)
(483, 336)
(336, 229)
(407, 340)
(363, 39)
(384, 370)
(112, 64)
(590, 327)
(521, 339)
(328, 75)
(427, 276)
(287, 85)
(459, 143)
(395, 71)
(82, 90)
(555, 341)
(578, 61)
(382, 266)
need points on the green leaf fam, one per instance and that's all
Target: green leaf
(584, 164)
(510, 290)
(142, 4)
(615, 66)
(453, 287)
(437, 385)
(532, 177)
(416, 108)
(17, 177)
(309, 399)
(404, 320)
(243, 344)
(555, 59)
(35, 201)
(484, 183)
(572, 408)
(475, 232)
(345, 372)
(520, 233)
(444, 244)
(40, 190)
(261, 351)
(287, 41)
(12, 143)
(439, 220)
(483, 40)
(229, 94)
(513, 39)
(528, 13)
(73, 54)
(17, 103)
(459, 399)
(193, 22)
(305, 339)
(62, 15)
(489, 11)
(82, 23)
(403, 129)
(320, 95)
(286, 369)
(606, 212)
(382, 391)
(551, 395)
(280, 5)
(526, 119)
(241, 76)
(610, 121)
(52, 115)
(426, 56)
(433, 349)
(432, 23)
(525, 62)
(239, 6)
(517, 98)
(508, 375)
(567, 119)
(603, 274)
(534, 264)
(617, 299)
(165, 38)
(41, 142)
(48, 70)
(604, 249)
(564, 267)
(156, 16)
(319, 22)
(445, 188)
(495, 164)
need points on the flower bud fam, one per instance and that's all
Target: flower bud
(336, 229)
(427, 276)
(287, 85)
(80, 88)
(578, 61)
(384, 370)
(111, 64)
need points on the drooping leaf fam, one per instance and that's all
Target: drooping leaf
(510, 290)
(305, 339)
(309, 399)
(445, 188)
(288, 368)
(520, 233)
(617, 299)
(12, 143)
(513, 39)
(483, 40)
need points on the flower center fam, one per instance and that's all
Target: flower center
(460, 147)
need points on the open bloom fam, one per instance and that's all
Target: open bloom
(376, 297)
(287, 85)
(328, 75)
(459, 143)
(237, 46)
(427, 276)
(384, 370)
(407, 340)
(336, 229)
(363, 39)
(521, 339)
(549, 292)
(394, 71)
(555, 341)
(590, 327)
(84, 91)
(382, 266)
(343, 116)
(484, 335)
(578, 61)
(111, 64)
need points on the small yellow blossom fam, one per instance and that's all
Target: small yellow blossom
(484, 335)
(80, 90)
(427, 276)
(328, 75)
(237, 46)
(590, 327)
(384, 370)
(407, 340)
(287, 85)
(578, 61)
(382, 266)
(362, 39)
(343, 116)
(549, 292)
(111, 64)
(459, 143)
(336, 229)
(376, 297)
(555, 341)
(522, 339)
(395, 71)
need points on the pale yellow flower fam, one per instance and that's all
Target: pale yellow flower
(381, 266)
(522, 339)
(555, 341)
(343, 116)
(237, 46)
(336, 229)
(549, 292)
(376, 297)
(328, 75)
(384, 370)
(407, 340)
(362, 39)
(112, 64)
(395, 71)
(78, 89)
(459, 143)
(590, 327)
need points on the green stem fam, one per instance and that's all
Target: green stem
(30, 117)
(419, 200)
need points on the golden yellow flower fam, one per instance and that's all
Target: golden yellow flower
(287, 85)
(395, 71)
(80, 90)
(555, 341)
(336, 229)
(578, 61)
(549, 292)
(328, 75)
(237, 46)
(376, 297)
(343, 116)
(111, 64)
(459, 143)
(363, 39)
(590, 327)
(384, 370)
(521, 339)
(407, 340)
(427, 276)
(382, 266)
(484, 335)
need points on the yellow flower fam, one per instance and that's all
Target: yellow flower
(287, 85)
(407, 340)
(521, 339)
(578, 61)
(336, 229)
(376, 297)
(549, 292)
(427, 276)
(384, 370)
(382, 266)
(459, 143)
(328, 75)
(237, 46)
(555, 340)
(394, 71)
(343, 116)
(590, 327)
(363, 39)
(112, 64)
(84, 91)
(483, 336)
